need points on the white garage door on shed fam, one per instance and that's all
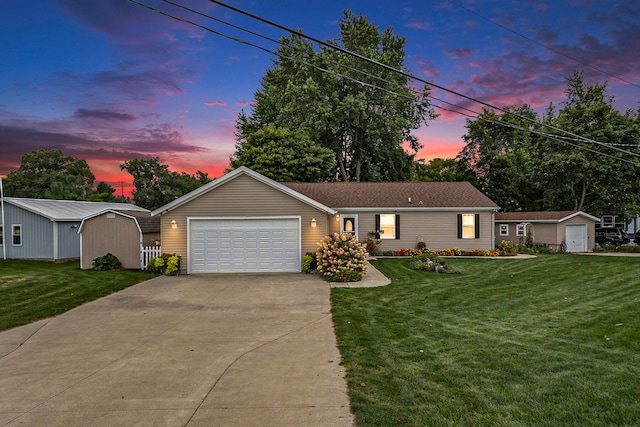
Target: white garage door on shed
(576, 238)
(244, 245)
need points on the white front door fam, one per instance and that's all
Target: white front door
(230, 245)
(576, 238)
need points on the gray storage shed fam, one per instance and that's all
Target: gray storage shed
(46, 229)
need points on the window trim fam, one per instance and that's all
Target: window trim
(504, 229)
(521, 230)
(355, 224)
(13, 234)
(396, 227)
(476, 226)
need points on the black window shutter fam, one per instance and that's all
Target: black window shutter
(477, 222)
(459, 226)
(377, 223)
(397, 227)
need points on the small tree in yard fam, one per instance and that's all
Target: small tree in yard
(341, 258)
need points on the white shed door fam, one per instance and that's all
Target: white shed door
(576, 236)
(222, 245)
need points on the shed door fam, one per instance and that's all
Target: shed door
(230, 245)
(576, 238)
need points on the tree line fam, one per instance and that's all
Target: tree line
(52, 175)
(329, 116)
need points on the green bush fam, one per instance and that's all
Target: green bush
(106, 262)
(155, 265)
(307, 260)
(164, 264)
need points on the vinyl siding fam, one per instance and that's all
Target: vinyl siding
(37, 234)
(119, 236)
(439, 230)
(243, 196)
(68, 240)
(551, 234)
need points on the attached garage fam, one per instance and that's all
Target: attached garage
(241, 245)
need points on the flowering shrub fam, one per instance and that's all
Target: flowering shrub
(430, 262)
(341, 258)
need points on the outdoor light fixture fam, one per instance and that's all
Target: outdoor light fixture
(314, 223)
(174, 224)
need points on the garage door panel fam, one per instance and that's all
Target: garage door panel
(244, 245)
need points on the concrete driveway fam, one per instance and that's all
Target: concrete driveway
(203, 350)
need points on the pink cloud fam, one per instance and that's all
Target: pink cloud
(418, 24)
(215, 103)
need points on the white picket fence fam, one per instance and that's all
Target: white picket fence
(147, 253)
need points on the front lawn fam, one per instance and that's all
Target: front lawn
(33, 290)
(550, 341)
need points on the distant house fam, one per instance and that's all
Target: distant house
(573, 230)
(44, 229)
(246, 222)
(124, 234)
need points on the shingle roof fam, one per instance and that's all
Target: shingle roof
(68, 210)
(540, 216)
(394, 194)
(148, 224)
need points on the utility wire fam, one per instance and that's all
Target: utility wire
(477, 117)
(556, 51)
(406, 74)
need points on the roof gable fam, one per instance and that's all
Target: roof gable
(243, 170)
(403, 195)
(143, 219)
(68, 210)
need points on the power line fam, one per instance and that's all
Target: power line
(556, 51)
(409, 75)
(478, 115)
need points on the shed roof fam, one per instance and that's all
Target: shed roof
(541, 216)
(68, 210)
(394, 194)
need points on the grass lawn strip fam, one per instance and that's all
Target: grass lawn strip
(34, 290)
(539, 342)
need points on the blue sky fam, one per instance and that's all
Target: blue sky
(108, 80)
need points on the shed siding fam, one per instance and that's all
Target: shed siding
(37, 234)
(68, 240)
(119, 236)
(439, 230)
(243, 196)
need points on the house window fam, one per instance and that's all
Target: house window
(389, 226)
(504, 229)
(521, 230)
(17, 234)
(468, 226)
(349, 224)
(608, 221)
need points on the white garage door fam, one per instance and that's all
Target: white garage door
(225, 245)
(576, 236)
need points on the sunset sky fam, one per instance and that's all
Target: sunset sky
(108, 80)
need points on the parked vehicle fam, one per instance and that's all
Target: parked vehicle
(636, 238)
(609, 236)
(625, 236)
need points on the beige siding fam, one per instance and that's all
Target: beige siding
(551, 234)
(119, 236)
(243, 196)
(439, 230)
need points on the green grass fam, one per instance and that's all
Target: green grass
(550, 341)
(33, 290)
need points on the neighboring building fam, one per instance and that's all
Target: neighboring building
(570, 229)
(124, 234)
(47, 229)
(246, 222)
